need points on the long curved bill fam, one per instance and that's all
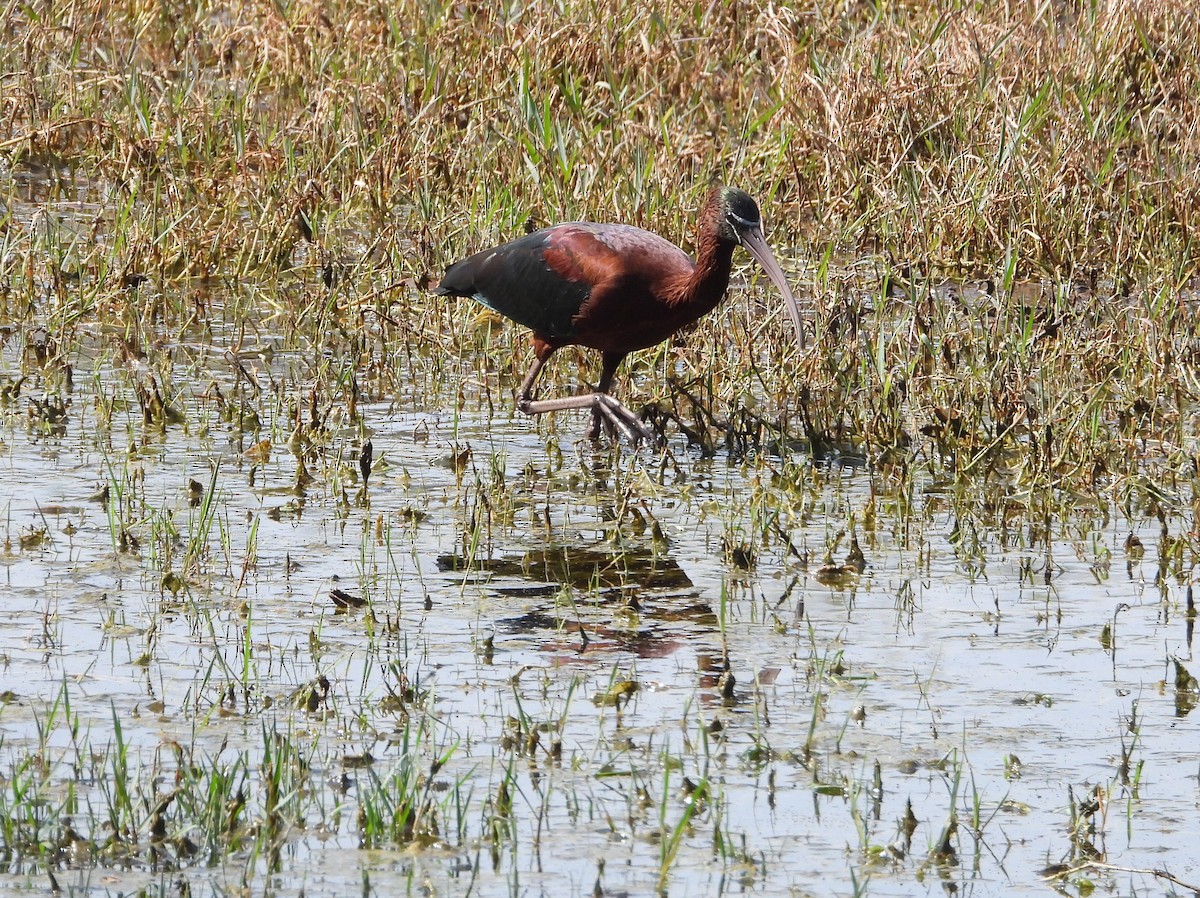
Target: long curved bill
(752, 239)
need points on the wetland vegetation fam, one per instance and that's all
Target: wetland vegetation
(295, 603)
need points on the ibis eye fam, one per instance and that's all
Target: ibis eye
(738, 223)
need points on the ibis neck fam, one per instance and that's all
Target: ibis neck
(706, 286)
(710, 279)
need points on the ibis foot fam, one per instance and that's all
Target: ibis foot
(613, 417)
(606, 411)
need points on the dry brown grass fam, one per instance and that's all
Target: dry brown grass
(1064, 134)
(354, 147)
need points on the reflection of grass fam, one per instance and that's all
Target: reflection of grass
(181, 809)
(696, 799)
(401, 807)
(203, 520)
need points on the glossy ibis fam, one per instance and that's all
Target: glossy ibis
(615, 288)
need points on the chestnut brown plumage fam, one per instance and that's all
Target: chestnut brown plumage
(614, 288)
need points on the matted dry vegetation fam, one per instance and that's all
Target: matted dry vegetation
(1042, 158)
(1064, 133)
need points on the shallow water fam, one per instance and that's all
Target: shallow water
(541, 647)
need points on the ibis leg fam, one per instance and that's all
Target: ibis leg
(525, 395)
(606, 411)
(599, 418)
